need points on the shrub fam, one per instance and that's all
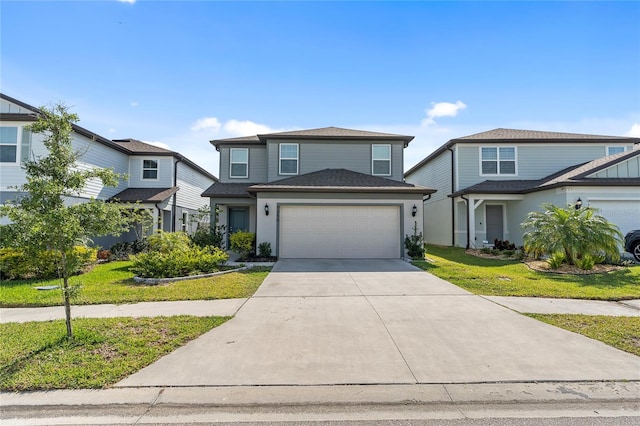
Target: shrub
(243, 242)
(172, 254)
(556, 260)
(264, 249)
(503, 245)
(486, 250)
(204, 237)
(586, 262)
(415, 244)
(509, 253)
(122, 250)
(14, 263)
(104, 254)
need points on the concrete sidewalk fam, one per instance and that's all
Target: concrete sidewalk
(229, 307)
(222, 307)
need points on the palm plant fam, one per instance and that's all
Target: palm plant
(576, 232)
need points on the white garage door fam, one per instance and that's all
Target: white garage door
(624, 213)
(339, 232)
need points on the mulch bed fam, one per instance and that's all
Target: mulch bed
(543, 266)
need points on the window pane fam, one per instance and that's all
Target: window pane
(507, 153)
(489, 167)
(289, 151)
(150, 164)
(9, 135)
(288, 166)
(7, 154)
(239, 156)
(615, 150)
(238, 170)
(489, 154)
(150, 174)
(25, 146)
(381, 152)
(507, 167)
(381, 167)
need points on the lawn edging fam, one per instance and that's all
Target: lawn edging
(241, 267)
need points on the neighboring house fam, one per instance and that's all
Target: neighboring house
(320, 193)
(487, 183)
(163, 181)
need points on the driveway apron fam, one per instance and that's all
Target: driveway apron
(315, 322)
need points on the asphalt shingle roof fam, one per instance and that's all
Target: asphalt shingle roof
(321, 133)
(339, 180)
(139, 147)
(516, 134)
(144, 195)
(227, 190)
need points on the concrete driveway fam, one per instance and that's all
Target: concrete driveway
(379, 322)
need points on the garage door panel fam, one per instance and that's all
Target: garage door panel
(624, 213)
(339, 231)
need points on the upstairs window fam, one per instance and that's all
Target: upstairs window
(498, 160)
(615, 150)
(288, 158)
(381, 160)
(150, 169)
(8, 144)
(239, 163)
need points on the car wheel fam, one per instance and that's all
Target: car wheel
(635, 250)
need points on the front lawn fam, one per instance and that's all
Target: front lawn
(620, 332)
(113, 283)
(493, 277)
(37, 355)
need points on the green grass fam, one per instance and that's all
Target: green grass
(37, 355)
(493, 277)
(113, 283)
(620, 332)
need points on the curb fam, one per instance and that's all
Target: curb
(230, 396)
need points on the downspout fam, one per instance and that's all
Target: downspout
(453, 200)
(159, 218)
(466, 200)
(175, 196)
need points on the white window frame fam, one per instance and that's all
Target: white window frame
(231, 163)
(280, 158)
(498, 173)
(157, 169)
(373, 160)
(608, 149)
(17, 145)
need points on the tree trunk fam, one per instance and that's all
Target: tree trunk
(67, 299)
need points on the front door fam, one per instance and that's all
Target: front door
(494, 222)
(238, 219)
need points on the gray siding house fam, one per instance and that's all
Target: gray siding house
(163, 181)
(488, 182)
(319, 193)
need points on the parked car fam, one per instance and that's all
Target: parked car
(632, 243)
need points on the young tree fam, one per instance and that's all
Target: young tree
(46, 218)
(576, 232)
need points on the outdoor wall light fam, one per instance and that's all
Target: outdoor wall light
(266, 209)
(578, 204)
(414, 210)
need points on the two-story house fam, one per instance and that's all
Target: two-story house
(163, 181)
(319, 193)
(488, 182)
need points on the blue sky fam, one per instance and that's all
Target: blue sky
(182, 73)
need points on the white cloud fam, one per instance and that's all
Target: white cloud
(158, 144)
(127, 1)
(207, 123)
(134, 103)
(442, 109)
(246, 128)
(112, 130)
(635, 131)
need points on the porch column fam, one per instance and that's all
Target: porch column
(471, 209)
